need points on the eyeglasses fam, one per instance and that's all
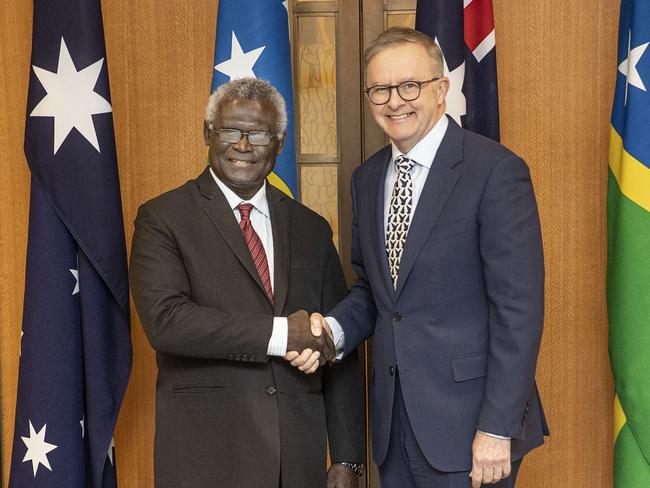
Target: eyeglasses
(407, 90)
(255, 137)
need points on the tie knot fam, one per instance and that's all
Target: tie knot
(245, 210)
(403, 164)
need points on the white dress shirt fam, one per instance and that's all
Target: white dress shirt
(260, 218)
(422, 154)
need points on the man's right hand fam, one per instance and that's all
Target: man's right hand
(308, 361)
(317, 348)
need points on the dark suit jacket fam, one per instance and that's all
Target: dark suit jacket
(226, 414)
(464, 324)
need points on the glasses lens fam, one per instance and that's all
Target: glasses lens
(379, 94)
(259, 138)
(409, 90)
(232, 136)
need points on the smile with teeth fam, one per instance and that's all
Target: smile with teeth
(399, 117)
(241, 162)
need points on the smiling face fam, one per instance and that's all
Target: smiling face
(406, 123)
(241, 166)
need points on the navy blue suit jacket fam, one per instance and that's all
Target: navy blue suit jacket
(465, 322)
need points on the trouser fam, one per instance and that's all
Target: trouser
(405, 465)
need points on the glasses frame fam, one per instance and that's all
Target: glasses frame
(242, 134)
(396, 87)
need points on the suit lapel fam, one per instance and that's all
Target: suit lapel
(438, 186)
(219, 212)
(281, 242)
(376, 193)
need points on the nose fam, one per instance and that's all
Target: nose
(394, 100)
(243, 145)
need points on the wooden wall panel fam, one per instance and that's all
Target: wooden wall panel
(556, 65)
(160, 59)
(556, 74)
(15, 46)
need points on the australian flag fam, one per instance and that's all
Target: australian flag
(464, 30)
(253, 40)
(75, 346)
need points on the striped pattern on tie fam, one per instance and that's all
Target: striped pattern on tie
(256, 248)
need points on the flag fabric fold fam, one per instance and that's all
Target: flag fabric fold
(628, 254)
(464, 30)
(75, 356)
(252, 40)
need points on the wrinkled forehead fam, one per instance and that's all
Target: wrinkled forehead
(249, 113)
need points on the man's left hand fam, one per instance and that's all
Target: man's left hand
(340, 476)
(490, 460)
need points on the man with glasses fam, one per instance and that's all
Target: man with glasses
(222, 271)
(447, 246)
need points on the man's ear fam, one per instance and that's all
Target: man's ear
(281, 138)
(443, 88)
(206, 133)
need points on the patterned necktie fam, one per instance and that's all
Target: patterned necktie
(256, 248)
(399, 215)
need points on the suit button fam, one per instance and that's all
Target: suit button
(237, 357)
(270, 390)
(244, 357)
(252, 357)
(391, 370)
(397, 317)
(230, 357)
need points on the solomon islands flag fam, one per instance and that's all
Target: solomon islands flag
(253, 40)
(628, 253)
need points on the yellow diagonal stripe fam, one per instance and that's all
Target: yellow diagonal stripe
(633, 177)
(619, 417)
(279, 183)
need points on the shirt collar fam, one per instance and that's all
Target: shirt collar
(259, 200)
(425, 150)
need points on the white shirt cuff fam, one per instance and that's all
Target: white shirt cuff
(279, 337)
(494, 435)
(339, 336)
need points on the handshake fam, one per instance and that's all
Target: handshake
(307, 347)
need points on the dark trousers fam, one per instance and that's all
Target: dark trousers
(405, 465)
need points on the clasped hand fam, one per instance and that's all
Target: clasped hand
(307, 347)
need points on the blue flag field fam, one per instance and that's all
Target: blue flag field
(75, 355)
(464, 30)
(253, 41)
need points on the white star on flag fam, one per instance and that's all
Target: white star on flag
(75, 273)
(37, 448)
(71, 98)
(110, 450)
(628, 66)
(455, 101)
(240, 64)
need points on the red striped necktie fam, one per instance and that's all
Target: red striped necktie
(255, 247)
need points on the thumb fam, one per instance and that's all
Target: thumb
(316, 322)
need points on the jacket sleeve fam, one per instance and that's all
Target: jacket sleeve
(343, 381)
(356, 313)
(513, 265)
(173, 323)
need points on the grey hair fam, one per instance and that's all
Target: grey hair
(250, 89)
(404, 35)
